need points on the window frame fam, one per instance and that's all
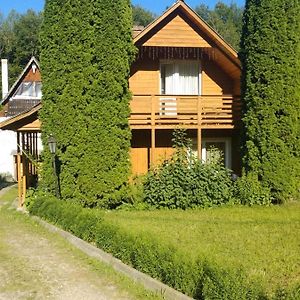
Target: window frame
(175, 62)
(228, 149)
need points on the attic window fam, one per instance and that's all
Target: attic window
(30, 89)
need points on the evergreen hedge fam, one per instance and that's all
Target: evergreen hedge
(270, 56)
(85, 60)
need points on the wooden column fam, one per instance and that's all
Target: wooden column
(152, 158)
(24, 191)
(152, 146)
(199, 130)
(199, 142)
(19, 171)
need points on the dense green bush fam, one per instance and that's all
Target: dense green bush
(199, 279)
(184, 182)
(248, 190)
(86, 54)
(270, 56)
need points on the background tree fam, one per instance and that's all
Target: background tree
(142, 16)
(19, 40)
(225, 19)
(271, 94)
(85, 60)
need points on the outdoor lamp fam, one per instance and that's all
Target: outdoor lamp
(52, 144)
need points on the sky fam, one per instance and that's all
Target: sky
(156, 6)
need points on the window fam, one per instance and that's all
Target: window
(221, 144)
(30, 89)
(180, 78)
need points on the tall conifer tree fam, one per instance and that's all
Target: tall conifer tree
(85, 60)
(271, 94)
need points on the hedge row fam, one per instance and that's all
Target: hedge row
(199, 279)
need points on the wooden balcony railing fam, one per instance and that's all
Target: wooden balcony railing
(169, 111)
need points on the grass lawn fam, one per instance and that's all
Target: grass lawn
(263, 241)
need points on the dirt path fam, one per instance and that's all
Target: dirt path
(36, 264)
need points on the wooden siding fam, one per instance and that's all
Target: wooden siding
(3, 110)
(214, 80)
(177, 33)
(144, 77)
(141, 151)
(33, 76)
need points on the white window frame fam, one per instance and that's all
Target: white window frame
(177, 62)
(228, 149)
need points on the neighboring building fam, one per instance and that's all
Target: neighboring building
(185, 75)
(23, 95)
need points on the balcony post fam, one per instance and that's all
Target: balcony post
(152, 157)
(152, 146)
(199, 143)
(199, 130)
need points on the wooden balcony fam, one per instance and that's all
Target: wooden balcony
(169, 111)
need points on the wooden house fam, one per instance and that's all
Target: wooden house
(23, 98)
(185, 75)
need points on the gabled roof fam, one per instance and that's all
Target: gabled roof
(181, 6)
(17, 83)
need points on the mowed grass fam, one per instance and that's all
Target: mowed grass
(262, 241)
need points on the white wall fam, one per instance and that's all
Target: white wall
(8, 147)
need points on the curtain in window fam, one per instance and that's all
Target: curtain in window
(188, 77)
(180, 78)
(30, 89)
(170, 79)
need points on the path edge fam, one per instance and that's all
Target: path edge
(148, 282)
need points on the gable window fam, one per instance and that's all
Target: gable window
(180, 78)
(31, 89)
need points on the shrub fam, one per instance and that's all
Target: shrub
(248, 190)
(269, 55)
(186, 182)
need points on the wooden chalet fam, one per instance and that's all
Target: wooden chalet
(185, 75)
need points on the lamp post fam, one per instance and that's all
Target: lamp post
(52, 148)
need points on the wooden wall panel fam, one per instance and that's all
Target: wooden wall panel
(237, 87)
(139, 161)
(177, 33)
(30, 76)
(144, 78)
(3, 110)
(214, 80)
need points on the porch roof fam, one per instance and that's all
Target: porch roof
(25, 121)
